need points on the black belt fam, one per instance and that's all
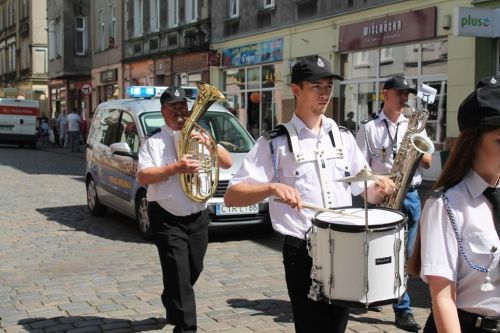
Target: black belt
(488, 324)
(295, 242)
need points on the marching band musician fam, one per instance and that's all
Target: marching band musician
(179, 225)
(379, 139)
(286, 164)
(460, 228)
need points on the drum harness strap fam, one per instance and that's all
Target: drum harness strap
(318, 155)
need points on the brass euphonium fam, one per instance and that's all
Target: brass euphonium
(200, 186)
(412, 148)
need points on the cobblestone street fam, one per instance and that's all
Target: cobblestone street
(63, 270)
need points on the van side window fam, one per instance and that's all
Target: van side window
(129, 133)
(109, 127)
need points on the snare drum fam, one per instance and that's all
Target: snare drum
(356, 266)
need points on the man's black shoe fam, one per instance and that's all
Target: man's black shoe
(405, 321)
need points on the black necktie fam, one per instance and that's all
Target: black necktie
(493, 195)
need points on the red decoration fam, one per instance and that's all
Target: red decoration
(255, 97)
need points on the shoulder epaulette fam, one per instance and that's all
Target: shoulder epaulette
(279, 130)
(368, 120)
(153, 132)
(345, 129)
(437, 192)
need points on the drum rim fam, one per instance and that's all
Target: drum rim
(361, 227)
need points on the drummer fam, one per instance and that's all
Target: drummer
(271, 170)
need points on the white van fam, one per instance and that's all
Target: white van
(118, 129)
(18, 121)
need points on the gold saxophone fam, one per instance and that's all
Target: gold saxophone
(200, 186)
(413, 146)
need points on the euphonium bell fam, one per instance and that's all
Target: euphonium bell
(200, 186)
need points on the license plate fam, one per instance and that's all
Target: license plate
(221, 209)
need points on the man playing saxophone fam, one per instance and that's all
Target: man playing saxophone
(380, 140)
(179, 224)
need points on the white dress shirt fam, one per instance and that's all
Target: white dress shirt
(158, 150)
(374, 136)
(441, 255)
(257, 168)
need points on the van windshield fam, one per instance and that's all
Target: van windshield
(224, 127)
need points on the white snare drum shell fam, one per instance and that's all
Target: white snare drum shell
(358, 266)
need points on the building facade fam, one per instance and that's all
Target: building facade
(69, 56)
(23, 50)
(166, 42)
(106, 40)
(366, 41)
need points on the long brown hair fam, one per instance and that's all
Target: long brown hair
(457, 165)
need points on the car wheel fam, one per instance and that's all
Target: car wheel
(141, 215)
(95, 207)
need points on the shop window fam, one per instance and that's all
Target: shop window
(434, 57)
(399, 59)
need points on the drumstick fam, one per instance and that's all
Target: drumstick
(321, 209)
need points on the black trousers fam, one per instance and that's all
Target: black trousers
(309, 315)
(182, 243)
(467, 324)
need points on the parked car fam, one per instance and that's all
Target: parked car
(116, 133)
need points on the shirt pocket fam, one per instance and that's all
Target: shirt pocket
(299, 176)
(480, 244)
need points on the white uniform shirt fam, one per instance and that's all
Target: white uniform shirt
(73, 122)
(373, 137)
(257, 168)
(441, 256)
(158, 150)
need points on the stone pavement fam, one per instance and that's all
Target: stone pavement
(63, 270)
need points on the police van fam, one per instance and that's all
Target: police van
(116, 133)
(18, 121)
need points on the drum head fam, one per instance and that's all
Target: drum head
(379, 218)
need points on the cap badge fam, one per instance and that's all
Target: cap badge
(493, 80)
(321, 63)
(177, 93)
(405, 82)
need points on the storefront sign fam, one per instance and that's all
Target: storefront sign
(108, 75)
(253, 54)
(477, 22)
(405, 27)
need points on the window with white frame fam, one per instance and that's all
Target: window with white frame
(234, 8)
(80, 35)
(191, 11)
(100, 29)
(112, 25)
(40, 61)
(25, 8)
(154, 15)
(268, 3)
(11, 66)
(3, 59)
(25, 54)
(54, 38)
(173, 13)
(138, 17)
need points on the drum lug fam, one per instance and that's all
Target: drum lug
(316, 285)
